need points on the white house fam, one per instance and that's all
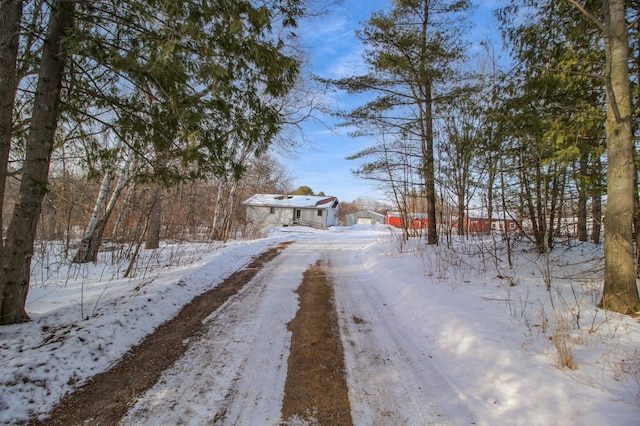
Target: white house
(286, 210)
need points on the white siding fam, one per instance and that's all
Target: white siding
(332, 217)
(278, 210)
(310, 217)
(261, 215)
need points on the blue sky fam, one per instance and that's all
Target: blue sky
(334, 51)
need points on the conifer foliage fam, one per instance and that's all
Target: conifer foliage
(412, 53)
(184, 84)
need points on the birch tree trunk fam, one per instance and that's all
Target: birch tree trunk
(81, 254)
(90, 244)
(228, 211)
(16, 260)
(216, 227)
(127, 202)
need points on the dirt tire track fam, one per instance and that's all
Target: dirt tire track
(105, 398)
(316, 387)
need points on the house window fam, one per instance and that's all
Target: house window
(512, 226)
(319, 212)
(272, 210)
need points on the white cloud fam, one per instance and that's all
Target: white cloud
(349, 64)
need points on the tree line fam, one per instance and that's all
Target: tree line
(132, 121)
(545, 138)
(140, 96)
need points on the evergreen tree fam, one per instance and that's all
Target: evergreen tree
(18, 250)
(303, 190)
(179, 82)
(412, 53)
(555, 111)
(561, 85)
(10, 17)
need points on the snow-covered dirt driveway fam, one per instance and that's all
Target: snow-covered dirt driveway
(235, 369)
(235, 373)
(393, 378)
(341, 328)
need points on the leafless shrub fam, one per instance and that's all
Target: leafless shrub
(398, 239)
(252, 231)
(561, 338)
(628, 369)
(517, 303)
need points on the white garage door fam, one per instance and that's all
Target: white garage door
(364, 221)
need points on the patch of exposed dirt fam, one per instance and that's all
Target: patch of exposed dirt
(106, 397)
(316, 388)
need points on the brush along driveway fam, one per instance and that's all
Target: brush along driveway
(254, 362)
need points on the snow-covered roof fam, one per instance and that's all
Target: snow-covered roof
(298, 201)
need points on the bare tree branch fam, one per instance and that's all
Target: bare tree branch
(588, 14)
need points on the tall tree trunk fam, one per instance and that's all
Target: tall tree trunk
(552, 212)
(636, 222)
(461, 215)
(582, 199)
(636, 200)
(125, 205)
(429, 170)
(216, 227)
(10, 16)
(596, 203)
(90, 244)
(427, 133)
(152, 240)
(155, 214)
(559, 210)
(596, 218)
(532, 205)
(620, 293)
(16, 260)
(507, 236)
(541, 208)
(228, 211)
(491, 178)
(83, 250)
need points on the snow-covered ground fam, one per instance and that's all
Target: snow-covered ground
(432, 335)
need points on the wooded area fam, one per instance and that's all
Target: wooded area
(544, 138)
(131, 122)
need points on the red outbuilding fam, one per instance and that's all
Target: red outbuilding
(408, 220)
